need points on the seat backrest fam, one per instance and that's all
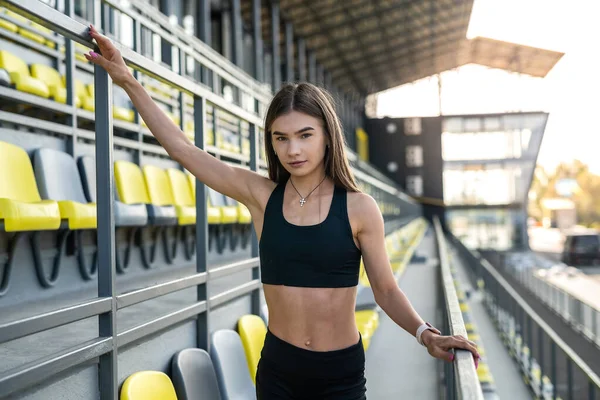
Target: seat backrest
(131, 185)
(17, 180)
(180, 186)
(252, 330)
(57, 176)
(192, 181)
(228, 357)
(13, 64)
(148, 385)
(194, 375)
(80, 89)
(87, 170)
(216, 199)
(45, 73)
(159, 189)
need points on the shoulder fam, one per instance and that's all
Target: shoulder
(363, 209)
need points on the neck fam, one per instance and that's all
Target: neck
(306, 183)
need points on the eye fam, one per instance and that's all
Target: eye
(280, 138)
(306, 135)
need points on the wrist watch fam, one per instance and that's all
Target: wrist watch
(425, 327)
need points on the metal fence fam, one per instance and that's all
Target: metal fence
(104, 348)
(549, 366)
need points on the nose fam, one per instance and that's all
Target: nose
(293, 148)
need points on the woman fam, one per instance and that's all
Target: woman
(314, 226)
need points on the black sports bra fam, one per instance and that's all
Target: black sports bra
(321, 255)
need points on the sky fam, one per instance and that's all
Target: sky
(570, 93)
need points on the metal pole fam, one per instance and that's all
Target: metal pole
(289, 52)
(107, 322)
(276, 68)
(312, 67)
(203, 31)
(254, 158)
(257, 42)
(202, 326)
(301, 60)
(70, 75)
(238, 36)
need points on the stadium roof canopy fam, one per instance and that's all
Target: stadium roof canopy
(372, 45)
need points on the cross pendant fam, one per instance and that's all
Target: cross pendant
(302, 201)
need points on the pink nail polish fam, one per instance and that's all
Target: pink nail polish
(93, 54)
(451, 357)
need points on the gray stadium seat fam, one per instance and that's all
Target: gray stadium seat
(125, 214)
(57, 176)
(194, 376)
(365, 299)
(231, 366)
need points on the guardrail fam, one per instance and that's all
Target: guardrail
(583, 317)
(461, 380)
(538, 350)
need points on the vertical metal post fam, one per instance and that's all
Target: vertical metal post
(203, 30)
(540, 340)
(289, 52)
(276, 84)
(320, 75)
(203, 329)
(257, 42)
(553, 367)
(137, 47)
(570, 378)
(328, 81)
(312, 67)
(237, 42)
(70, 75)
(108, 378)
(301, 60)
(254, 158)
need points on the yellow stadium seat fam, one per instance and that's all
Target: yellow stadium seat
(52, 78)
(158, 186)
(148, 385)
(252, 330)
(20, 77)
(9, 26)
(124, 114)
(26, 33)
(185, 207)
(190, 133)
(213, 213)
(84, 100)
(244, 216)
(131, 186)
(367, 321)
(21, 207)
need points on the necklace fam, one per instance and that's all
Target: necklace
(303, 199)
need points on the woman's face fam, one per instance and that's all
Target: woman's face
(299, 141)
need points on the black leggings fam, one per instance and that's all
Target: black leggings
(288, 372)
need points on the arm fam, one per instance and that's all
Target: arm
(388, 295)
(235, 182)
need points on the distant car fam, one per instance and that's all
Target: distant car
(582, 248)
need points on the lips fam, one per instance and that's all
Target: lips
(297, 163)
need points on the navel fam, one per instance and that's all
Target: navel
(307, 343)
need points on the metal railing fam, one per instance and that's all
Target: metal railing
(582, 316)
(104, 348)
(460, 376)
(550, 367)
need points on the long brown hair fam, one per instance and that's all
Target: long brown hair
(318, 103)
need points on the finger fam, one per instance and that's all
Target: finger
(440, 353)
(96, 58)
(104, 43)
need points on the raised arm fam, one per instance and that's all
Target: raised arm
(235, 182)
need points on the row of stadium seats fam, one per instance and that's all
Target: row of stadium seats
(400, 247)
(45, 81)
(228, 372)
(26, 28)
(511, 333)
(53, 192)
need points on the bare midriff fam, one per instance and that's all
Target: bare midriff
(317, 319)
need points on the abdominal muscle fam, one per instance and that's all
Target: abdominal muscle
(317, 319)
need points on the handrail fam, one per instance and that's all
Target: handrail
(467, 382)
(71, 29)
(540, 322)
